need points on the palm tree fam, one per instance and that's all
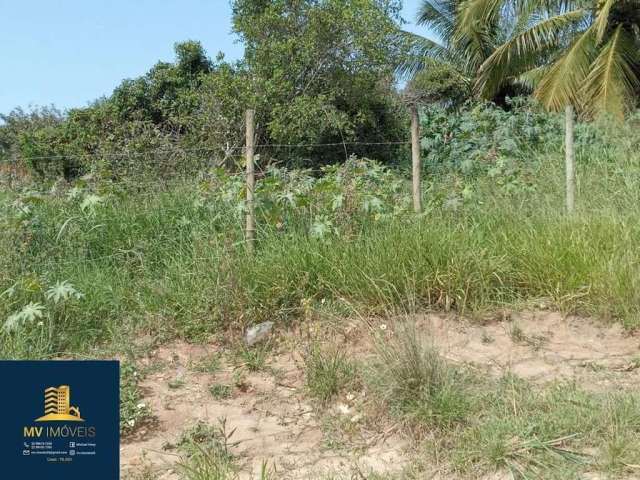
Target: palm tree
(440, 17)
(584, 53)
(599, 70)
(491, 42)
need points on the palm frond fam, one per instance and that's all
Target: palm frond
(474, 14)
(521, 52)
(475, 24)
(527, 14)
(613, 79)
(561, 84)
(531, 78)
(439, 16)
(420, 52)
(602, 18)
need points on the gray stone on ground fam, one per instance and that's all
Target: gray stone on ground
(257, 333)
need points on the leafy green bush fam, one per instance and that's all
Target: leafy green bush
(472, 139)
(480, 136)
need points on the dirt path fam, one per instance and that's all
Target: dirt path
(276, 423)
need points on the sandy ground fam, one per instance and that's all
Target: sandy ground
(541, 346)
(272, 420)
(276, 423)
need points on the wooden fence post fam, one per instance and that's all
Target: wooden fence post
(415, 158)
(250, 228)
(570, 167)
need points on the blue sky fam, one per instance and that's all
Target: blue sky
(69, 52)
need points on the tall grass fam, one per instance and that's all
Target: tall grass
(410, 376)
(483, 424)
(163, 262)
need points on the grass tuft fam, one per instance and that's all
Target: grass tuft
(327, 372)
(133, 412)
(207, 453)
(411, 377)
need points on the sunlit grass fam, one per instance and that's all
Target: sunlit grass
(173, 263)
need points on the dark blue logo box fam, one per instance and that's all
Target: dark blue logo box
(60, 420)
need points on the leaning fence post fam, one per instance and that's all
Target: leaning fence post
(250, 227)
(415, 158)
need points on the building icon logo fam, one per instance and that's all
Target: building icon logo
(57, 406)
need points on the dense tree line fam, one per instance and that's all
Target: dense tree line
(316, 72)
(327, 71)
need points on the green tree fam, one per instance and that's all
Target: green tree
(137, 128)
(584, 53)
(499, 46)
(441, 84)
(19, 122)
(159, 96)
(322, 70)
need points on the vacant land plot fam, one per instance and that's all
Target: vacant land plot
(520, 396)
(492, 336)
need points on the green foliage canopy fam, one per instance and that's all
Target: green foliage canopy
(584, 53)
(316, 71)
(322, 70)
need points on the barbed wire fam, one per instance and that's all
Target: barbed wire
(227, 150)
(336, 144)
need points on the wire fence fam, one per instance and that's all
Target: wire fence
(178, 150)
(153, 168)
(157, 166)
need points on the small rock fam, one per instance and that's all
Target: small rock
(258, 333)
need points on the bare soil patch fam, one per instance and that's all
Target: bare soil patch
(541, 346)
(274, 420)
